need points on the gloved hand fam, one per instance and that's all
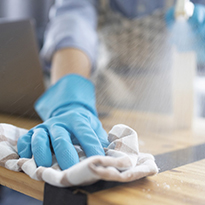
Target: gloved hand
(191, 37)
(70, 117)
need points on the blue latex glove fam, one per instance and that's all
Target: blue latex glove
(70, 117)
(190, 37)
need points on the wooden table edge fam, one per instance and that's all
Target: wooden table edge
(21, 182)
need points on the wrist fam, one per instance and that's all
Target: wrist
(69, 90)
(69, 61)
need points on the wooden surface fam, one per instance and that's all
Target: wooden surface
(157, 130)
(18, 121)
(22, 183)
(183, 185)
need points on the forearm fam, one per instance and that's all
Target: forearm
(71, 39)
(67, 61)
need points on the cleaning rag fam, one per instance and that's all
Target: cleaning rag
(123, 161)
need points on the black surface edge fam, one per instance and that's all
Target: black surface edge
(78, 195)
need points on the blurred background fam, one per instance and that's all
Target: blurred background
(128, 49)
(22, 9)
(137, 68)
(15, 10)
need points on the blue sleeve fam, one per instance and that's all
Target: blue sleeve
(198, 2)
(72, 24)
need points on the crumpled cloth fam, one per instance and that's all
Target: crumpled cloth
(123, 161)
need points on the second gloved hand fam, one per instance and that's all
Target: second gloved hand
(69, 114)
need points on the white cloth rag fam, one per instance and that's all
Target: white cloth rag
(123, 161)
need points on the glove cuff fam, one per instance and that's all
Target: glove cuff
(71, 89)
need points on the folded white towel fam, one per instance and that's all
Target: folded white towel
(123, 161)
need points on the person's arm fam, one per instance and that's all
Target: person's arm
(71, 39)
(67, 61)
(68, 106)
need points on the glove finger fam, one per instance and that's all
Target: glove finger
(41, 149)
(24, 145)
(87, 137)
(65, 152)
(102, 134)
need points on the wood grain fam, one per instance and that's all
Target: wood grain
(22, 183)
(184, 185)
(156, 136)
(19, 121)
(156, 132)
